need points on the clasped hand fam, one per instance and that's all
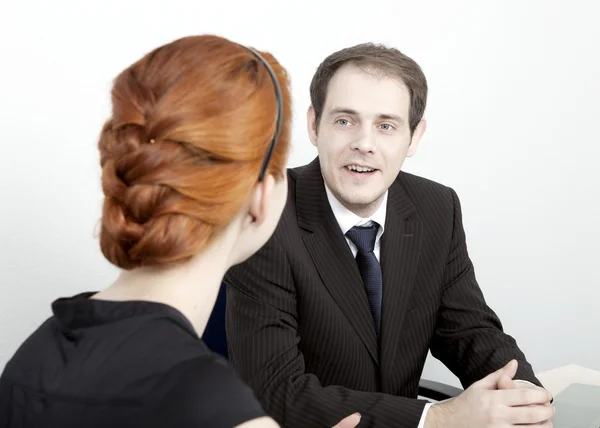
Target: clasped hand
(493, 402)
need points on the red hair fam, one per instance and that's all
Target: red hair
(191, 123)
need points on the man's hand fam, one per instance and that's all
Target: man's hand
(507, 383)
(349, 421)
(486, 405)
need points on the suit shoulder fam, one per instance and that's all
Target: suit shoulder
(422, 189)
(422, 182)
(289, 212)
(294, 172)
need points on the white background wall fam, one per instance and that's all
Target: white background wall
(513, 126)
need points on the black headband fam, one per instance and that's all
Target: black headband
(279, 118)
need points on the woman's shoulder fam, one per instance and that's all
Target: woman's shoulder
(205, 391)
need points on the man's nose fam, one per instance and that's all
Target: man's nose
(365, 142)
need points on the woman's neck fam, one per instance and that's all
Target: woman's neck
(191, 287)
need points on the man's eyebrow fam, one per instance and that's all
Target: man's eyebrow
(345, 110)
(394, 117)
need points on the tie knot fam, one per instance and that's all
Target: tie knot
(364, 237)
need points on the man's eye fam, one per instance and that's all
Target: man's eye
(342, 122)
(386, 127)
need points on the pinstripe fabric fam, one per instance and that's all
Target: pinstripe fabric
(299, 327)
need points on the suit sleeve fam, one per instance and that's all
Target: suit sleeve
(263, 338)
(469, 336)
(6, 404)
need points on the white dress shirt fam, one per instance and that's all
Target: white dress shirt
(347, 220)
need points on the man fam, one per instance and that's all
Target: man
(367, 271)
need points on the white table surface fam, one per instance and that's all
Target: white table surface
(556, 380)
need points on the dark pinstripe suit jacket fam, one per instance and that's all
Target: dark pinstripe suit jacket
(298, 322)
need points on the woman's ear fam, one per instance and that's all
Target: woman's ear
(260, 200)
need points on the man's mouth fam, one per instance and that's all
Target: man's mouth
(360, 169)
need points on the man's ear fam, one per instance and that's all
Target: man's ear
(311, 125)
(260, 200)
(416, 138)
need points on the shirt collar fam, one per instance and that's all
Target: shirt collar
(80, 312)
(347, 219)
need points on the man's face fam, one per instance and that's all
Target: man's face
(363, 136)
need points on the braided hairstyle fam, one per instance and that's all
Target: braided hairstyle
(191, 123)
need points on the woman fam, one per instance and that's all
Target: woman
(193, 172)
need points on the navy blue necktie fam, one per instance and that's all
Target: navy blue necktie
(368, 265)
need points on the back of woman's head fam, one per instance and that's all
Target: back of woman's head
(191, 124)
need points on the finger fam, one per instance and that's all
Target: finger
(506, 383)
(349, 421)
(545, 424)
(491, 380)
(523, 397)
(524, 385)
(531, 414)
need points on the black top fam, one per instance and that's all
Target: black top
(120, 364)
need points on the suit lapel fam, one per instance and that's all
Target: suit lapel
(331, 255)
(400, 247)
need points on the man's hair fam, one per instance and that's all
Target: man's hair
(372, 57)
